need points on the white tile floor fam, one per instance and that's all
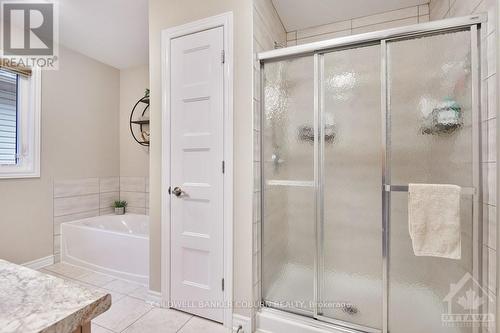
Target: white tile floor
(129, 312)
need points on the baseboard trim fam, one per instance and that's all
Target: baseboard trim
(40, 263)
(154, 298)
(244, 322)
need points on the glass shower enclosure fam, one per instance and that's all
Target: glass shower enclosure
(347, 124)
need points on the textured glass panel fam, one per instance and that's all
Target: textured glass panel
(430, 78)
(352, 237)
(431, 142)
(288, 225)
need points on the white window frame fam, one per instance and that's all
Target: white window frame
(29, 129)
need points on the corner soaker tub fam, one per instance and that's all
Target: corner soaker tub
(117, 245)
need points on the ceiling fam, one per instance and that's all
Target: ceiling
(114, 32)
(300, 14)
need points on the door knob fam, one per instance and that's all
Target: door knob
(177, 191)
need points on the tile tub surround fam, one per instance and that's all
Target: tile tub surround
(31, 301)
(130, 313)
(76, 199)
(135, 190)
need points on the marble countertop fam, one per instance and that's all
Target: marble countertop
(31, 301)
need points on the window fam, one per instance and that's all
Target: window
(19, 123)
(8, 118)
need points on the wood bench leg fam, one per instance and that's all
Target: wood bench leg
(85, 328)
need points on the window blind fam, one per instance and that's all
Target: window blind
(8, 117)
(14, 68)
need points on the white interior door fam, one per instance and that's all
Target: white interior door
(197, 150)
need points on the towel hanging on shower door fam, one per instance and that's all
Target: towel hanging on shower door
(434, 220)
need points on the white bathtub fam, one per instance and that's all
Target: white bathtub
(116, 245)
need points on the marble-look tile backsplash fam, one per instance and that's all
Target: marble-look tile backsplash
(75, 204)
(109, 184)
(109, 192)
(133, 184)
(75, 187)
(76, 199)
(135, 190)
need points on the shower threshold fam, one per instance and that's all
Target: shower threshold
(274, 321)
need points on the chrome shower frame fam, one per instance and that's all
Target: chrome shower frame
(471, 23)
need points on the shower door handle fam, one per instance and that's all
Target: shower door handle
(177, 191)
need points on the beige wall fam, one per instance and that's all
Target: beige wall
(169, 13)
(79, 140)
(134, 158)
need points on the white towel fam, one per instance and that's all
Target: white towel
(434, 220)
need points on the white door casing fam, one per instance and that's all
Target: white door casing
(196, 164)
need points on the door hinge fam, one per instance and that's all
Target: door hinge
(222, 284)
(169, 190)
(222, 56)
(223, 166)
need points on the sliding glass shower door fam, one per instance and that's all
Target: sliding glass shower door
(289, 241)
(344, 132)
(432, 136)
(350, 236)
(330, 270)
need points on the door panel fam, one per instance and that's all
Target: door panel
(197, 121)
(289, 205)
(351, 244)
(427, 75)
